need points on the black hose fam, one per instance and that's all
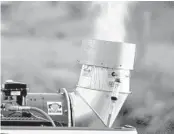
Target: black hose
(19, 108)
(45, 114)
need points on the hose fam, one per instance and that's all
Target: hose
(18, 108)
(45, 114)
(37, 116)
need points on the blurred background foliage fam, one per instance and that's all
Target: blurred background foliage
(40, 43)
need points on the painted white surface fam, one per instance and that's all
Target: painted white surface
(66, 131)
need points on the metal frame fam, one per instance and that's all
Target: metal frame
(68, 105)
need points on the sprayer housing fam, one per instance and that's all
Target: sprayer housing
(103, 83)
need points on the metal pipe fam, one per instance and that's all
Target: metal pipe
(68, 105)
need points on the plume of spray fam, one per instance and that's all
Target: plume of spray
(109, 25)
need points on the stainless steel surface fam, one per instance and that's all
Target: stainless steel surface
(92, 97)
(108, 54)
(93, 101)
(84, 116)
(97, 78)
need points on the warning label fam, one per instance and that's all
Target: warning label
(54, 108)
(87, 71)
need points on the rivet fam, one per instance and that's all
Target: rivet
(66, 111)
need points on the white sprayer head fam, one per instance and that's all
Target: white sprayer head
(104, 82)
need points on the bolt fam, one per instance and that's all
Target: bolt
(114, 74)
(66, 111)
(117, 80)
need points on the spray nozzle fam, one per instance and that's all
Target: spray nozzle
(113, 98)
(116, 89)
